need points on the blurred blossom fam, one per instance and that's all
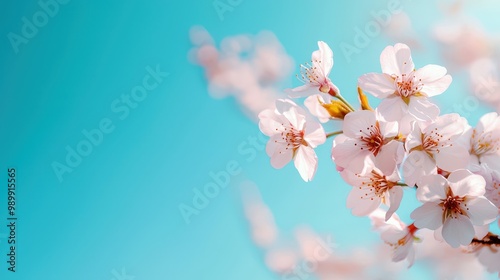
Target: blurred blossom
(445, 261)
(485, 81)
(311, 255)
(400, 29)
(250, 68)
(463, 41)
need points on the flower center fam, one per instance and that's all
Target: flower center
(311, 74)
(433, 140)
(372, 139)
(408, 85)
(376, 185)
(293, 137)
(484, 144)
(453, 205)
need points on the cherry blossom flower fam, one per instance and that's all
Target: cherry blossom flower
(372, 189)
(315, 76)
(366, 142)
(454, 206)
(435, 145)
(485, 141)
(403, 89)
(489, 256)
(396, 234)
(292, 137)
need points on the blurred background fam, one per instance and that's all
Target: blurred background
(133, 133)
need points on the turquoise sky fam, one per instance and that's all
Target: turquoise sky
(111, 80)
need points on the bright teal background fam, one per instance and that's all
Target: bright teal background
(119, 207)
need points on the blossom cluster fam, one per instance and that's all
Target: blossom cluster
(402, 144)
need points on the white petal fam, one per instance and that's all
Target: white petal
(388, 157)
(464, 183)
(422, 109)
(417, 165)
(302, 91)
(396, 60)
(379, 85)
(429, 215)
(493, 161)
(396, 195)
(432, 188)
(392, 108)
(487, 122)
(414, 139)
(270, 122)
(452, 157)
(283, 105)
(358, 121)
(458, 231)
(351, 157)
(281, 156)
(362, 201)
(434, 79)
(275, 142)
(296, 120)
(481, 211)
(306, 162)
(326, 58)
(313, 104)
(389, 129)
(314, 134)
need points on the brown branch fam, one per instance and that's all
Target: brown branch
(488, 240)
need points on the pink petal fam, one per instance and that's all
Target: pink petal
(358, 121)
(434, 79)
(283, 105)
(387, 159)
(306, 162)
(487, 122)
(464, 183)
(362, 202)
(458, 231)
(281, 156)
(297, 120)
(452, 157)
(351, 157)
(326, 58)
(392, 108)
(302, 91)
(314, 134)
(414, 139)
(429, 215)
(396, 195)
(313, 104)
(389, 129)
(379, 85)
(270, 122)
(432, 188)
(481, 211)
(493, 161)
(417, 165)
(422, 109)
(396, 60)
